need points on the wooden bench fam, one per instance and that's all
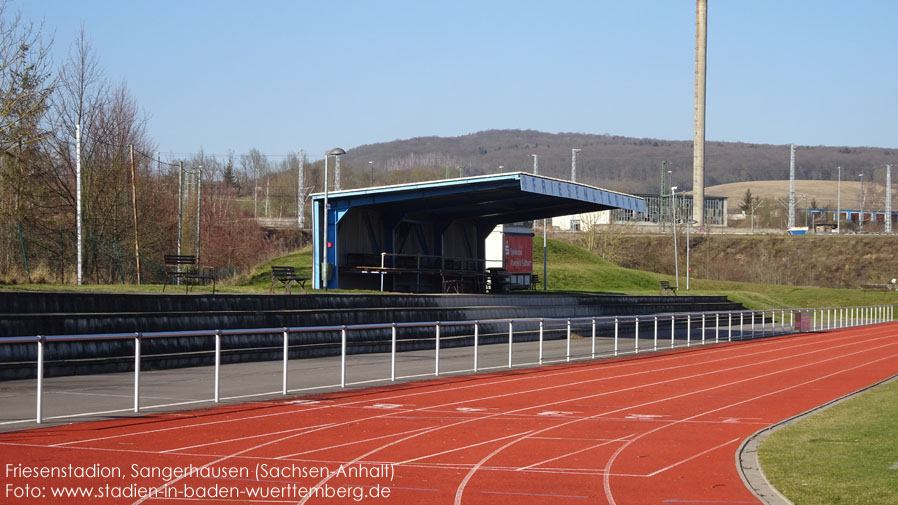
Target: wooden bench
(180, 266)
(876, 287)
(665, 286)
(287, 276)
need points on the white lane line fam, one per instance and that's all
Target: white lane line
(690, 458)
(666, 381)
(607, 480)
(249, 437)
(606, 442)
(461, 448)
(473, 470)
(354, 442)
(608, 494)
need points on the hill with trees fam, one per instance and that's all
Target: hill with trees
(610, 161)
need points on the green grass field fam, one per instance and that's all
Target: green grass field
(847, 454)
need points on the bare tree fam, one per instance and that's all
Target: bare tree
(255, 166)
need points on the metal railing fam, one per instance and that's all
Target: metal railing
(695, 328)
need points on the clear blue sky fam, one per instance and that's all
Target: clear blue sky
(285, 75)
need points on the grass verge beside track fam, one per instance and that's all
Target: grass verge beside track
(847, 454)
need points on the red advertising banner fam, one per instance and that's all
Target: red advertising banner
(518, 253)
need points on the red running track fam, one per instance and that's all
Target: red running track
(656, 429)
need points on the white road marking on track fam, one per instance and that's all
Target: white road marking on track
(456, 449)
(246, 438)
(607, 482)
(354, 442)
(606, 442)
(690, 458)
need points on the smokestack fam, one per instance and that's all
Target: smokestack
(698, 149)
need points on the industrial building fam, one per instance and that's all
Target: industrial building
(659, 210)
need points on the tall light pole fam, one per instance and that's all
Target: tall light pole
(371, 169)
(301, 192)
(791, 185)
(698, 146)
(323, 269)
(79, 234)
(688, 265)
(545, 248)
(839, 202)
(888, 222)
(861, 229)
(199, 213)
(574, 164)
(673, 195)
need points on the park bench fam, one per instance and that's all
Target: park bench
(534, 281)
(180, 266)
(665, 286)
(286, 275)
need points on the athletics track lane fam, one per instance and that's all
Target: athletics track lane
(651, 430)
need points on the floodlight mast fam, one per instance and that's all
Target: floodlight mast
(323, 267)
(673, 195)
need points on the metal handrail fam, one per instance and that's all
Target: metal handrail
(829, 318)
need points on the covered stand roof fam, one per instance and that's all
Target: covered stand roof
(489, 199)
(447, 219)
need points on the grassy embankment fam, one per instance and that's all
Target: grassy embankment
(571, 269)
(847, 454)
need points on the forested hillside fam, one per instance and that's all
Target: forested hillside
(620, 163)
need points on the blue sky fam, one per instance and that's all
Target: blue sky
(284, 75)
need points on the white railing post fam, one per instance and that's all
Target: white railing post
(673, 323)
(742, 325)
(593, 338)
(286, 361)
(703, 328)
(783, 320)
(541, 340)
(393, 352)
(39, 415)
(568, 357)
(343, 356)
(137, 372)
(752, 324)
(476, 341)
(616, 325)
(436, 365)
(510, 340)
(688, 330)
(636, 336)
(717, 328)
(217, 386)
(655, 341)
(729, 326)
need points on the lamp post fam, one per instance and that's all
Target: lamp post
(861, 229)
(323, 269)
(574, 164)
(839, 201)
(688, 266)
(371, 169)
(673, 196)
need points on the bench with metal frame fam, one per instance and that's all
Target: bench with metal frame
(666, 286)
(182, 266)
(286, 275)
